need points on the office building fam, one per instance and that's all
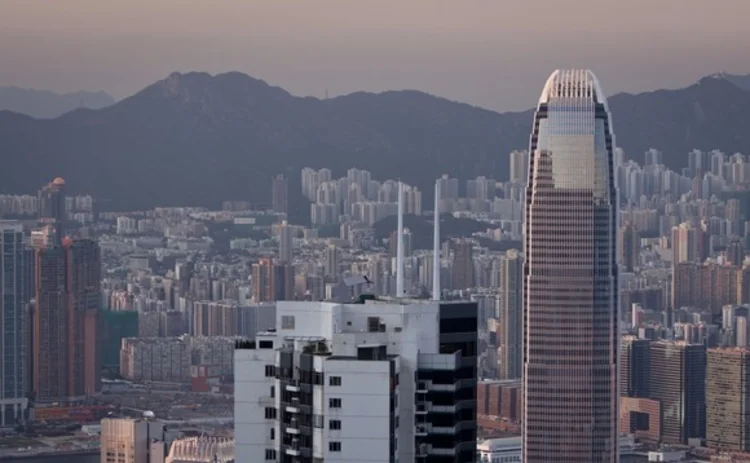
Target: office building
(280, 194)
(571, 293)
(635, 365)
(462, 271)
(332, 263)
(14, 296)
(272, 281)
(678, 376)
(510, 316)
(66, 355)
(131, 440)
(52, 210)
(384, 380)
(728, 399)
(629, 247)
(286, 243)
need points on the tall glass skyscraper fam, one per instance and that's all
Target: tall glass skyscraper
(13, 300)
(570, 275)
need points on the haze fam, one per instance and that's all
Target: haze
(495, 54)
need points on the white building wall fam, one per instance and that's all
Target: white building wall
(252, 394)
(365, 410)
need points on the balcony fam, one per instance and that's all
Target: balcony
(423, 450)
(443, 451)
(292, 409)
(422, 429)
(293, 386)
(423, 408)
(443, 430)
(444, 408)
(292, 431)
(423, 386)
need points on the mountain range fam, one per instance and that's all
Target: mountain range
(43, 104)
(198, 139)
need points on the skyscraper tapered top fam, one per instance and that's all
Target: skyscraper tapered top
(570, 277)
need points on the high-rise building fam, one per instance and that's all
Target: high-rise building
(272, 281)
(280, 194)
(14, 296)
(635, 365)
(52, 207)
(286, 243)
(384, 381)
(66, 358)
(629, 247)
(130, 440)
(262, 286)
(510, 315)
(571, 277)
(678, 376)
(519, 166)
(728, 399)
(709, 286)
(462, 271)
(333, 260)
(689, 243)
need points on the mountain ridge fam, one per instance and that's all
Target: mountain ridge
(196, 138)
(44, 104)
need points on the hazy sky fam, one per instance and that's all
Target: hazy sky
(493, 53)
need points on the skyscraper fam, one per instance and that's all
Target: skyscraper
(66, 359)
(280, 194)
(462, 272)
(52, 207)
(13, 299)
(728, 399)
(511, 317)
(570, 272)
(286, 243)
(678, 382)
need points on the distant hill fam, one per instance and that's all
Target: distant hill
(42, 104)
(199, 139)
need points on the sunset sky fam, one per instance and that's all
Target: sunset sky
(492, 53)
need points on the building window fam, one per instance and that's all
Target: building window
(334, 424)
(270, 413)
(270, 371)
(273, 433)
(270, 454)
(287, 322)
(273, 392)
(334, 446)
(318, 421)
(334, 381)
(334, 403)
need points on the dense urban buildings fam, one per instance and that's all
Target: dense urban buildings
(571, 292)
(382, 380)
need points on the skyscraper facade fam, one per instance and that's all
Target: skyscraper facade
(570, 272)
(52, 207)
(280, 194)
(13, 299)
(511, 317)
(66, 359)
